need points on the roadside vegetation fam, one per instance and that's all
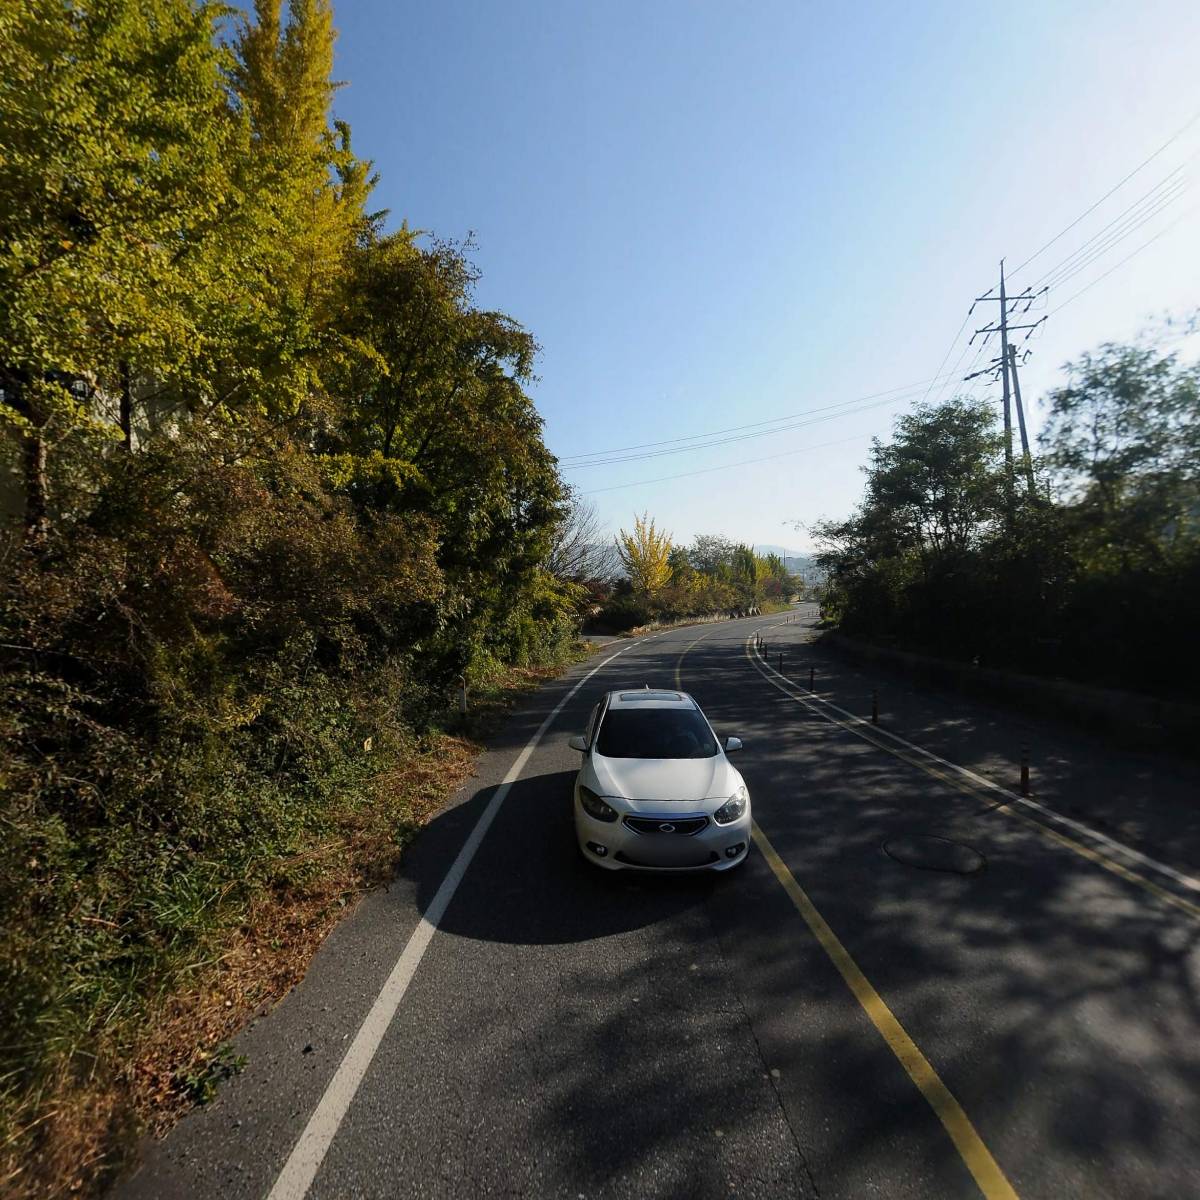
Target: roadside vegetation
(1091, 573)
(274, 488)
(713, 577)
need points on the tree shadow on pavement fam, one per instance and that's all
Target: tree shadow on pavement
(688, 1035)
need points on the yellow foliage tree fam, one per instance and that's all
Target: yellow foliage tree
(645, 554)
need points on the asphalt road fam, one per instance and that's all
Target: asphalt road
(836, 1018)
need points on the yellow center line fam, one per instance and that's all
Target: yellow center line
(679, 660)
(970, 1146)
(976, 1157)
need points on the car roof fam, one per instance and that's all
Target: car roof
(650, 698)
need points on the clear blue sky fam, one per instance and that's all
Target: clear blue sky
(714, 214)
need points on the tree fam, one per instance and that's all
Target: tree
(934, 493)
(934, 558)
(429, 412)
(578, 552)
(683, 574)
(118, 137)
(285, 485)
(645, 553)
(434, 410)
(777, 582)
(711, 554)
(305, 179)
(744, 568)
(302, 217)
(937, 484)
(1124, 439)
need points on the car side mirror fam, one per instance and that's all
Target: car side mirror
(732, 744)
(578, 742)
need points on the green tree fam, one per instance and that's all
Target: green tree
(776, 581)
(1123, 437)
(935, 558)
(431, 414)
(744, 569)
(934, 494)
(937, 485)
(683, 574)
(711, 555)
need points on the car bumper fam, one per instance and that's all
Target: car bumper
(714, 848)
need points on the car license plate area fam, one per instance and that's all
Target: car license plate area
(681, 857)
(668, 850)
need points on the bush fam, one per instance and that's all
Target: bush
(623, 613)
(192, 670)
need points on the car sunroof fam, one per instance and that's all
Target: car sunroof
(651, 696)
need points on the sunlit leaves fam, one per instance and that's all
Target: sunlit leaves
(645, 553)
(284, 487)
(116, 142)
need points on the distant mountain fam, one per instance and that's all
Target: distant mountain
(802, 565)
(782, 551)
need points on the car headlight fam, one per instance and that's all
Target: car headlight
(594, 806)
(733, 808)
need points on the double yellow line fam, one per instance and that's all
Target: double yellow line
(975, 1155)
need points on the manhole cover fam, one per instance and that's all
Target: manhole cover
(935, 854)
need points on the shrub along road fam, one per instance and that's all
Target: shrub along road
(1027, 1028)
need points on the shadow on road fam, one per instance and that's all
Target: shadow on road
(529, 885)
(1058, 1003)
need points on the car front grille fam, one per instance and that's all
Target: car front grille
(668, 826)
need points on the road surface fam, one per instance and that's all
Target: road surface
(843, 1016)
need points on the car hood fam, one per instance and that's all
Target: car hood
(658, 779)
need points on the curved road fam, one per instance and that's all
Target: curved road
(840, 1017)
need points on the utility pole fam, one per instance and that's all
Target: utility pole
(1008, 454)
(1026, 457)
(1005, 367)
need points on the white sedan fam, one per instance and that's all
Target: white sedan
(655, 791)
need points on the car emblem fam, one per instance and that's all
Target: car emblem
(666, 829)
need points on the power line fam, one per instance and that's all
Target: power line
(730, 466)
(1124, 225)
(570, 459)
(1150, 242)
(1115, 188)
(844, 411)
(743, 437)
(907, 390)
(953, 343)
(956, 370)
(1164, 184)
(1099, 245)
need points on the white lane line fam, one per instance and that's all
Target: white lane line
(859, 725)
(313, 1144)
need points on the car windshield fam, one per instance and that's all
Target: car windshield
(655, 733)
